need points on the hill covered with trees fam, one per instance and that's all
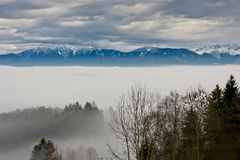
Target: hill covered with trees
(21, 127)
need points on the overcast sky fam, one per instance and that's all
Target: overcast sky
(118, 24)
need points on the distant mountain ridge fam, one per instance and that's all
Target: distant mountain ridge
(90, 56)
(216, 49)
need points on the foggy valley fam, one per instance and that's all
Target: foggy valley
(73, 106)
(24, 87)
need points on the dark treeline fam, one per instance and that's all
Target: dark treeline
(191, 126)
(28, 125)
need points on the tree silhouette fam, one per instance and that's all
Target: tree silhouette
(230, 91)
(45, 150)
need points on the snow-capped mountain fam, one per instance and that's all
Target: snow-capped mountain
(90, 56)
(217, 49)
(165, 52)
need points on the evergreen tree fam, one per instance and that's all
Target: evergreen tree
(214, 125)
(78, 107)
(45, 150)
(192, 139)
(223, 123)
(88, 108)
(231, 119)
(216, 100)
(230, 91)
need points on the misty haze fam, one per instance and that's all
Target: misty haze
(23, 87)
(79, 128)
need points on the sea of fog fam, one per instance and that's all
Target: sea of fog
(22, 87)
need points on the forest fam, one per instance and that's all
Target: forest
(195, 125)
(191, 126)
(24, 126)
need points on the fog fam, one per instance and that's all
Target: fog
(24, 152)
(25, 87)
(56, 86)
(76, 126)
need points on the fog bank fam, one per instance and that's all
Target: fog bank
(23, 87)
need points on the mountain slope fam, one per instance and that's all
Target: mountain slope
(216, 49)
(89, 56)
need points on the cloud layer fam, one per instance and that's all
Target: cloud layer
(119, 24)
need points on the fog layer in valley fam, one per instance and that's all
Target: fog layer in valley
(56, 86)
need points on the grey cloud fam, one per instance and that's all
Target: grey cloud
(117, 22)
(204, 8)
(16, 9)
(92, 9)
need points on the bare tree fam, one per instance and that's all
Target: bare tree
(148, 127)
(132, 124)
(194, 136)
(172, 108)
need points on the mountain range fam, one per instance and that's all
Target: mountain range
(145, 56)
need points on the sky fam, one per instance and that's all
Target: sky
(117, 24)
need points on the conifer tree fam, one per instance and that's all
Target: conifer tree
(45, 150)
(190, 138)
(223, 123)
(231, 119)
(230, 91)
(216, 100)
(214, 125)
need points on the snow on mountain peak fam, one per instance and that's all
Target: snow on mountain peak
(216, 49)
(43, 50)
(149, 48)
(146, 50)
(64, 50)
(87, 48)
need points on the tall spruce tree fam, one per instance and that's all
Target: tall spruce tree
(223, 123)
(216, 100)
(214, 125)
(230, 91)
(231, 120)
(190, 138)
